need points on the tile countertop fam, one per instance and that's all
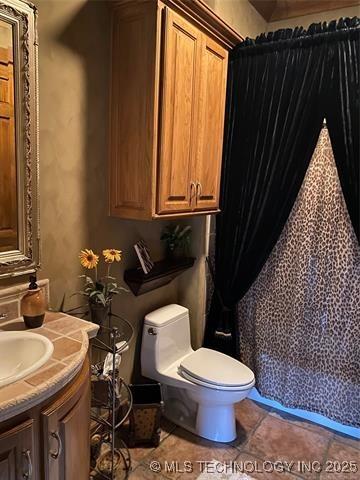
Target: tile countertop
(70, 337)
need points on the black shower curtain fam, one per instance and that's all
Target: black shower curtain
(343, 114)
(280, 87)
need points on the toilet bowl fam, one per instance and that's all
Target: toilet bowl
(200, 387)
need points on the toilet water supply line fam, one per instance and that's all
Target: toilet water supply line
(222, 331)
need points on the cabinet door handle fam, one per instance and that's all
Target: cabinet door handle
(28, 474)
(198, 190)
(58, 452)
(192, 195)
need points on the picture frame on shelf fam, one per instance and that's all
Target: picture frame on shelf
(143, 254)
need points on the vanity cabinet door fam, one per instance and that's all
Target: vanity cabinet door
(17, 447)
(180, 92)
(210, 124)
(66, 432)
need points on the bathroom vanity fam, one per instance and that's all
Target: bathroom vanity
(44, 417)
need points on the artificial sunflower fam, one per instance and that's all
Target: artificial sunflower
(111, 255)
(88, 258)
(99, 291)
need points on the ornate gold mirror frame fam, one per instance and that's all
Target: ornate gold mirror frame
(21, 16)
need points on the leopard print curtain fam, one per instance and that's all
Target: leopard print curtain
(300, 321)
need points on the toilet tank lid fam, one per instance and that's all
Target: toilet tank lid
(165, 315)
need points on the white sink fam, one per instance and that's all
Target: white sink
(21, 353)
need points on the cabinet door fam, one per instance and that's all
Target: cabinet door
(132, 151)
(66, 431)
(17, 453)
(210, 124)
(180, 91)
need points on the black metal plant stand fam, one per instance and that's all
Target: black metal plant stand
(111, 401)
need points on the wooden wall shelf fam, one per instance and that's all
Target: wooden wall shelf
(162, 273)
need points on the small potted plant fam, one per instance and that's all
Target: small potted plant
(177, 240)
(99, 290)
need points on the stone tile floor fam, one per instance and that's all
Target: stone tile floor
(265, 436)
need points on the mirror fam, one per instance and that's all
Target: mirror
(8, 183)
(19, 220)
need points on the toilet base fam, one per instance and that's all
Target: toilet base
(213, 422)
(216, 423)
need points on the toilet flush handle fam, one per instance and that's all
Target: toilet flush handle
(151, 331)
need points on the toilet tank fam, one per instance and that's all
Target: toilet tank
(165, 339)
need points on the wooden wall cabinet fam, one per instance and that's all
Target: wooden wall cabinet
(52, 440)
(168, 86)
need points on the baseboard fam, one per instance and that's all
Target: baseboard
(312, 417)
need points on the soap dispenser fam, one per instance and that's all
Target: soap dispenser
(33, 305)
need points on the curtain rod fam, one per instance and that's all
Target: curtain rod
(305, 38)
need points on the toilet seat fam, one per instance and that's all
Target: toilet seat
(213, 369)
(197, 381)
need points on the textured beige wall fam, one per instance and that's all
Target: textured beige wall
(73, 71)
(73, 62)
(73, 77)
(241, 15)
(307, 20)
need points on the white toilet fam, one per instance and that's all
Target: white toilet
(200, 387)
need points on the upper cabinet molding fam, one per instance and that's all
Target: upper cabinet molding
(200, 13)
